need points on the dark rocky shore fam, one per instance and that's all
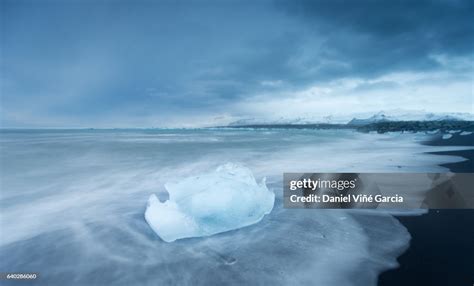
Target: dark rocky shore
(442, 247)
(441, 126)
(417, 126)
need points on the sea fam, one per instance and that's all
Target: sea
(72, 206)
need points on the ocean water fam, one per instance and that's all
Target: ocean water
(72, 207)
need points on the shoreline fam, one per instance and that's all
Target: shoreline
(440, 251)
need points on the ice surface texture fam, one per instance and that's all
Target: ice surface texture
(226, 199)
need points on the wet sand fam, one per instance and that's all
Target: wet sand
(442, 246)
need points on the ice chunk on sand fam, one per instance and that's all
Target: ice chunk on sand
(447, 136)
(225, 199)
(464, 133)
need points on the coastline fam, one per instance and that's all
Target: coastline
(441, 248)
(369, 244)
(466, 166)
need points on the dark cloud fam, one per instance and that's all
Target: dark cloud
(89, 58)
(380, 36)
(363, 39)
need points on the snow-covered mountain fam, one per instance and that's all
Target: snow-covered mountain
(411, 116)
(280, 120)
(358, 119)
(379, 117)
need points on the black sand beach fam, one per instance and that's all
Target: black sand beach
(442, 247)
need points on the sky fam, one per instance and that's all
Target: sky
(205, 63)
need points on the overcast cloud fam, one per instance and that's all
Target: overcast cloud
(198, 63)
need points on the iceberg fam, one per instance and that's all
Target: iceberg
(225, 199)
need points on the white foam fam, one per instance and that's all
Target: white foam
(87, 201)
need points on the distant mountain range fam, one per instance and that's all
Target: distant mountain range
(358, 119)
(382, 117)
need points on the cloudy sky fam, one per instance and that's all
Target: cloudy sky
(197, 63)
